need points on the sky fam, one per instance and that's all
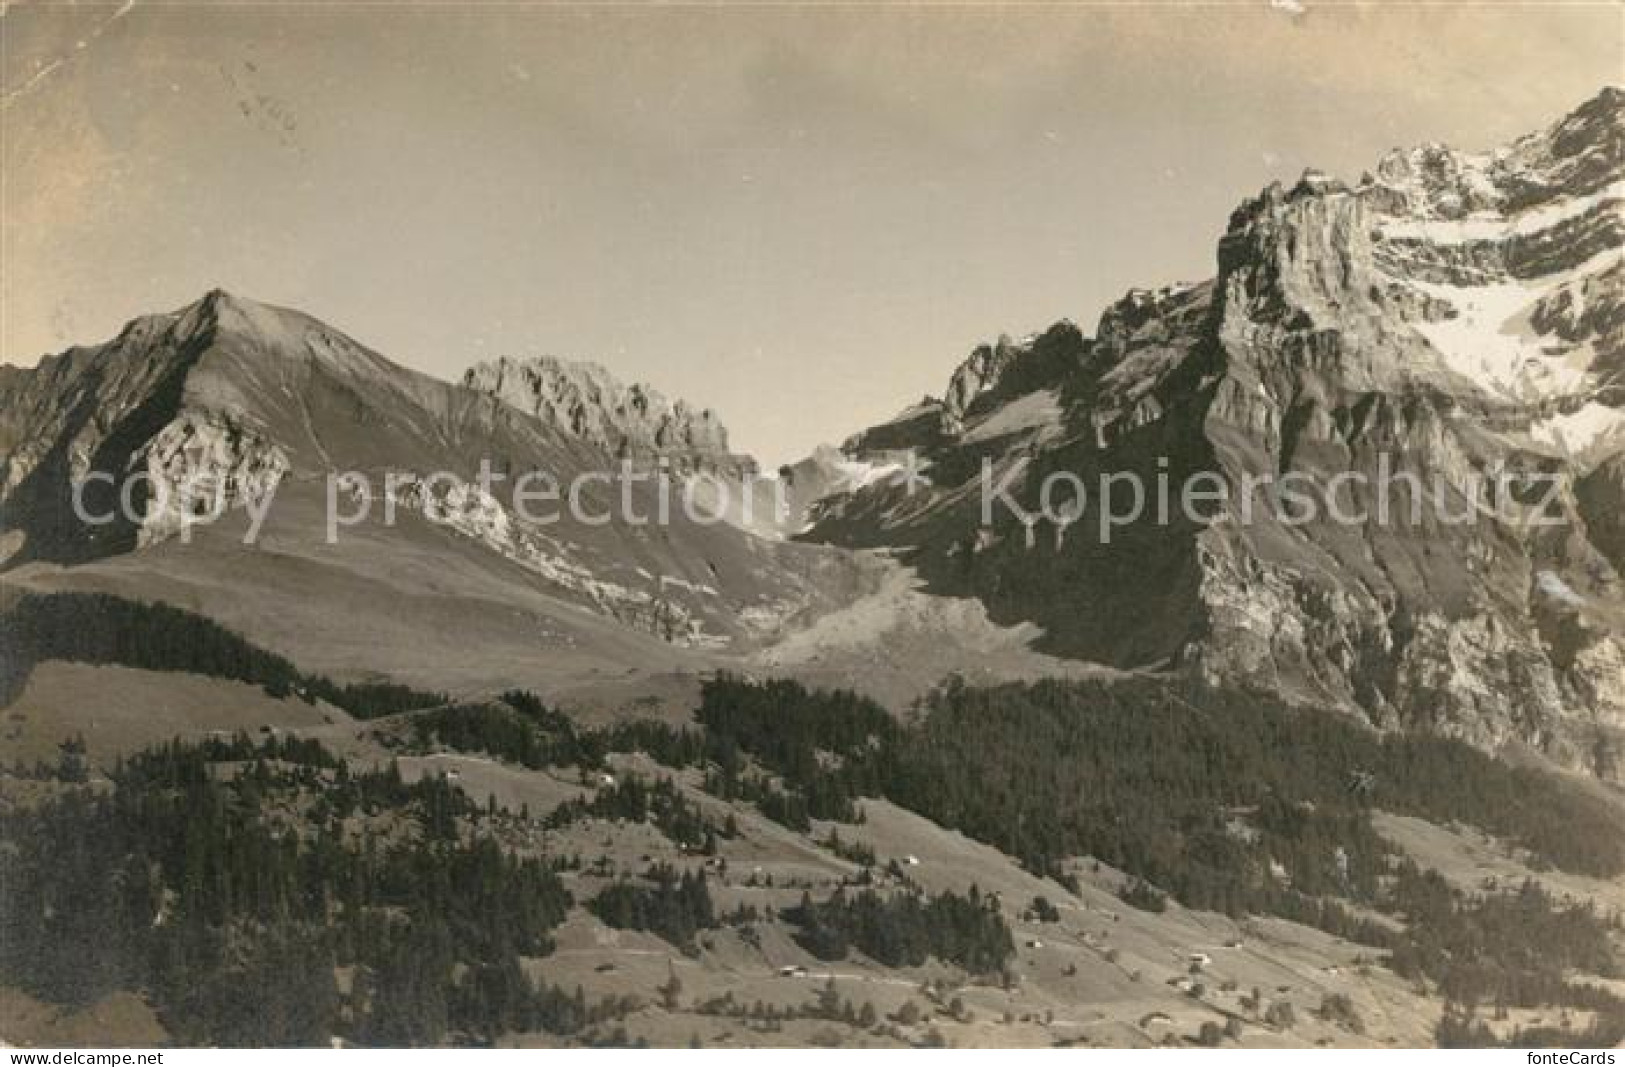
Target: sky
(803, 216)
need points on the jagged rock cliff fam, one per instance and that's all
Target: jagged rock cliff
(632, 422)
(1456, 319)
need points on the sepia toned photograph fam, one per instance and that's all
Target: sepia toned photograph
(609, 525)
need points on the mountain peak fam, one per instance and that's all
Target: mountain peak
(1008, 368)
(1609, 103)
(227, 311)
(218, 296)
(1578, 155)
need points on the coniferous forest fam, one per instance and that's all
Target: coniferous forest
(105, 629)
(156, 883)
(272, 892)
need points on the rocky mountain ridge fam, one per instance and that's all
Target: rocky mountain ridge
(632, 422)
(1453, 318)
(230, 406)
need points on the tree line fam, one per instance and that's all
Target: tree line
(99, 628)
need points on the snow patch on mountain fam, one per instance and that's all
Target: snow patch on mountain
(1490, 340)
(1486, 225)
(855, 474)
(1583, 430)
(1549, 584)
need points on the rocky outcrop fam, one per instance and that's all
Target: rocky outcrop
(631, 422)
(87, 411)
(200, 466)
(979, 373)
(1006, 369)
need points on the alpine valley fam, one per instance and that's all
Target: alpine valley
(864, 768)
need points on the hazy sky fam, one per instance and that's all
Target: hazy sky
(803, 216)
